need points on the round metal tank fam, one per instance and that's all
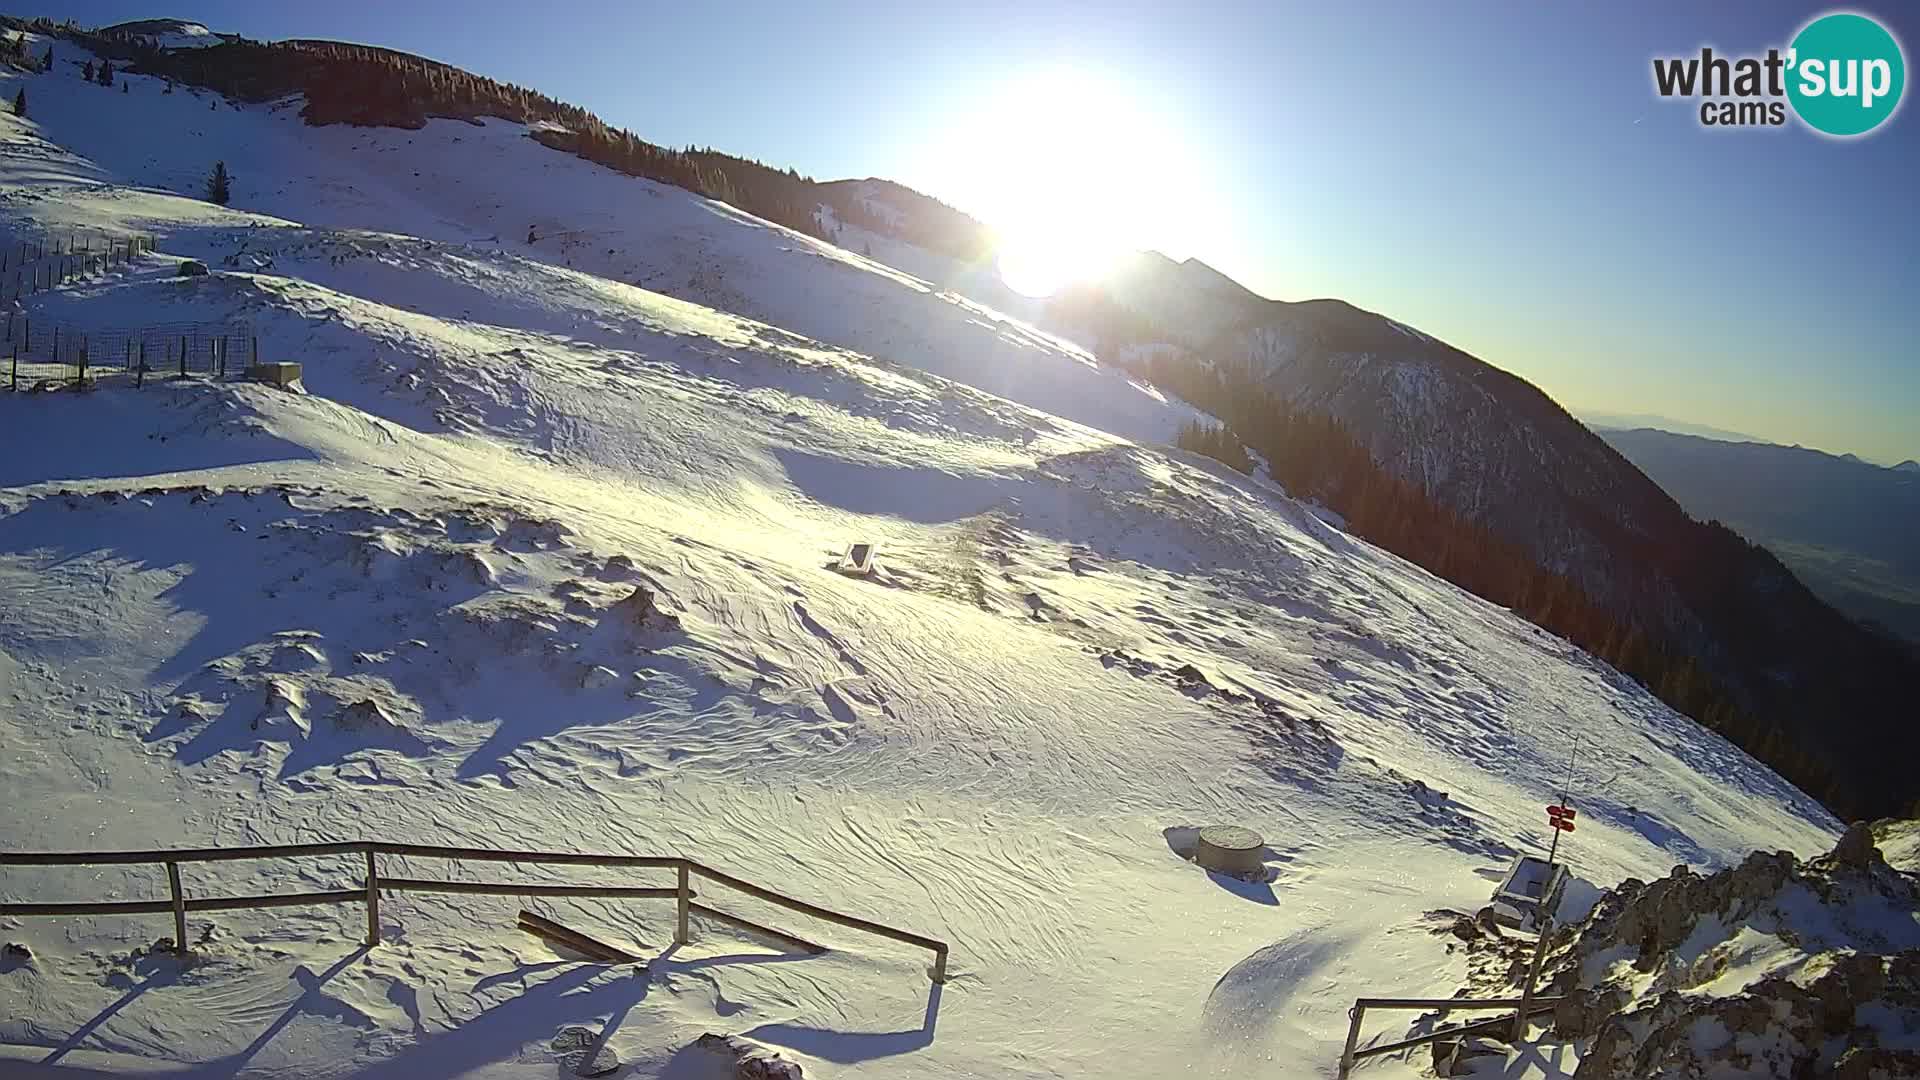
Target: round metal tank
(1230, 849)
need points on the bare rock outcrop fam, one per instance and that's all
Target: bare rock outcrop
(751, 1061)
(1678, 978)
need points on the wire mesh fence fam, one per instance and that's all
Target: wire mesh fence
(38, 353)
(36, 264)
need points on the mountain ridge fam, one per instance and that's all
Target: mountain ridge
(1437, 416)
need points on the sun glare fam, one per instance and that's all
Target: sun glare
(1048, 161)
(1038, 262)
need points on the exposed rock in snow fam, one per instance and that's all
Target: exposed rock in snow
(599, 676)
(640, 610)
(14, 955)
(580, 1051)
(618, 568)
(751, 1061)
(283, 708)
(1774, 967)
(1899, 841)
(365, 715)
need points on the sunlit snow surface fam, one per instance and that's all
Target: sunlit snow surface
(1072, 643)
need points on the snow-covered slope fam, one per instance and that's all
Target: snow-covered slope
(401, 606)
(488, 186)
(168, 33)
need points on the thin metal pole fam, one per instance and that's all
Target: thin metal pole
(373, 901)
(680, 936)
(179, 909)
(1566, 785)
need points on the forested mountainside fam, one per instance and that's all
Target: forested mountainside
(1563, 528)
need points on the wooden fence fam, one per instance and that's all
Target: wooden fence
(1525, 1008)
(373, 883)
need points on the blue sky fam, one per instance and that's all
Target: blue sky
(1500, 175)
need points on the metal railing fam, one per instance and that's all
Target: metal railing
(81, 354)
(1525, 1008)
(370, 887)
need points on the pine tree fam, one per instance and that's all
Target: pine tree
(87, 72)
(20, 102)
(219, 185)
(106, 73)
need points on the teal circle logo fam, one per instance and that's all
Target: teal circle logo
(1846, 74)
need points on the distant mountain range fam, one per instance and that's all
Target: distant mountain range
(1630, 421)
(1850, 529)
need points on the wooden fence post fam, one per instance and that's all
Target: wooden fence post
(680, 936)
(179, 909)
(1520, 1018)
(373, 901)
(16, 369)
(183, 356)
(1358, 1013)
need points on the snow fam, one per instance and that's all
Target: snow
(392, 607)
(171, 33)
(1899, 843)
(489, 186)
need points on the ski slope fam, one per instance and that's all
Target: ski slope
(397, 606)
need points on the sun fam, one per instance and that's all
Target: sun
(1050, 159)
(1037, 262)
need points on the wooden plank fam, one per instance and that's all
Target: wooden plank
(556, 858)
(804, 908)
(179, 909)
(105, 907)
(492, 888)
(345, 847)
(685, 899)
(373, 901)
(242, 903)
(110, 858)
(780, 936)
(553, 932)
(1448, 1003)
(1478, 1026)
